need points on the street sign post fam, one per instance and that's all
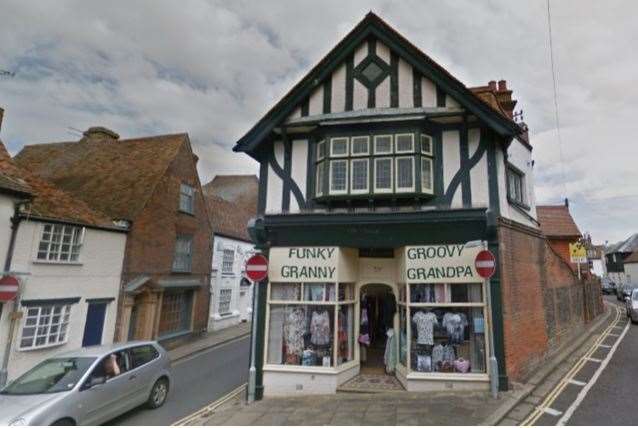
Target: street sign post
(485, 264)
(257, 268)
(9, 286)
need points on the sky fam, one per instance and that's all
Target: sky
(213, 68)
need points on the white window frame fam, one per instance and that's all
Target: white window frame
(396, 179)
(320, 171)
(367, 188)
(226, 263)
(383, 190)
(339, 155)
(321, 147)
(62, 325)
(48, 228)
(423, 188)
(396, 143)
(367, 152)
(376, 137)
(431, 140)
(228, 300)
(186, 191)
(330, 189)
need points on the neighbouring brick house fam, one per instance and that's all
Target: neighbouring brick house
(381, 178)
(558, 226)
(150, 184)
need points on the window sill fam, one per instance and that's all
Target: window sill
(518, 204)
(224, 316)
(38, 348)
(53, 262)
(311, 369)
(181, 271)
(186, 212)
(375, 195)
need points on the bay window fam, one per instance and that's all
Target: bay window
(383, 175)
(338, 177)
(405, 174)
(359, 176)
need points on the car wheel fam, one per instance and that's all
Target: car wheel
(158, 395)
(66, 422)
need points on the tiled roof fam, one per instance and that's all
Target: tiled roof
(241, 190)
(627, 246)
(114, 176)
(228, 218)
(632, 258)
(48, 201)
(556, 221)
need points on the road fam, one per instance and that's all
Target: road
(197, 381)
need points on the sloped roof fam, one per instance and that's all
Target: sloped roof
(114, 176)
(48, 201)
(632, 258)
(228, 218)
(556, 221)
(242, 190)
(9, 182)
(372, 25)
(629, 245)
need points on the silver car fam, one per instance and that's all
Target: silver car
(89, 386)
(631, 304)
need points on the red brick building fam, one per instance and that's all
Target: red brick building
(150, 184)
(558, 226)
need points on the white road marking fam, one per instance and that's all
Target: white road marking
(552, 412)
(583, 392)
(602, 345)
(594, 360)
(188, 420)
(613, 334)
(577, 382)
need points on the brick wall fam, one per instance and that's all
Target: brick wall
(544, 303)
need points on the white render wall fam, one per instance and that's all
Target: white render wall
(631, 273)
(96, 276)
(521, 157)
(241, 304)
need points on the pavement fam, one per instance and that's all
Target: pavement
(402, 408)
(203, 372)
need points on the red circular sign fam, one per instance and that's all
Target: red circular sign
(485, 264)
(8, 288)
(257, 268)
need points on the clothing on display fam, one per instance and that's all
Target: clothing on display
(320, 328)
(425, 322)
(455, 324)
(294, 329)
(364, 328)
(390, 354)
(423, 363)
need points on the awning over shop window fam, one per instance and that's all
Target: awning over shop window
(313, 264)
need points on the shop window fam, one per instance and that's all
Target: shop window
(444, 326)
(302, 321)
(45, 326)
(338, 177)
(405, 174)
(60, 243)
(359, 182)
(175, 316)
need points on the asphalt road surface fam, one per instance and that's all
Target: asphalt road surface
(197, 381)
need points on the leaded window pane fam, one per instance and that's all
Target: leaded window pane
(321, 167)
(426, 144)
(405, 173)
(338, 176)
(339, 147)
(382, 144)
(360, 146)
(321, 150)
(360, 175)
(426, 174)
(383, 174)
(183, 253)
(405, 143)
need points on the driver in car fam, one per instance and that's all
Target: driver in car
(111, 367)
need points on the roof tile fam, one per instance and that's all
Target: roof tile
(556, 221)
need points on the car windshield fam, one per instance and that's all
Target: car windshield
(50, 376)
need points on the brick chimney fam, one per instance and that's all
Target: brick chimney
(492, 85)
(1, 116)
(99, 133)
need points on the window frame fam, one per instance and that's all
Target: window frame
(331, 191)
(225, 251)
(378, 190)
(342, 155)
(64, 321)
(366, 153)
(374, 144)
(431, 141)
(354, 191)
(512, 170)
(190, 193)
(424, 189)
(320, 178)
(396, 143)
(320, 153)
(81, 232)
(222, 291)
(176, 254)
(398, 189)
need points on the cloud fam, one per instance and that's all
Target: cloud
(213, 68)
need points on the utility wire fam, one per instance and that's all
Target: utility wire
(560, 139)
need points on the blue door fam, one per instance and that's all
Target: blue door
(94, 324)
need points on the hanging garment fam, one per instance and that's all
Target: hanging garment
(309, 358)
(389, 309)
(390, 354)
(342, 337)
(455, 325)
(364, 328)
(294, 329)
(425, 322)
(320, 328)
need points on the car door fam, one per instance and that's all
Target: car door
(144, 370)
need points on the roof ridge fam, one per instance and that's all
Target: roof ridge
(119, 140)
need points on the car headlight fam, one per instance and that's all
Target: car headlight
(18, 422)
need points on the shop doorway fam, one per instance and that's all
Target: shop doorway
(378, 305)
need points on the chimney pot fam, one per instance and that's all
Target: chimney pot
(502, 85)
(567, 202)
(492, 85)
(96, 133)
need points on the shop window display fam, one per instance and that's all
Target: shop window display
(302, 320)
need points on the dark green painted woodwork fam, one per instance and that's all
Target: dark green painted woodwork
(394, 80)
(440, 97)
(285, 200)
(260, 291)
(416, 88)
(492, 172)
(305, 106)
(327, 95)
(349, 82)
(438, 168)
(263, 187)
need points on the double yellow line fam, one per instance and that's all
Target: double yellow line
(540, 409)
(190, 419)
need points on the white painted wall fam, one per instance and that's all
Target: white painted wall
(478, 174)
(298, 170)
(519, 156)
(241, 301)
(451, 163)
(275, 184)
(96, 276)
(631, 273)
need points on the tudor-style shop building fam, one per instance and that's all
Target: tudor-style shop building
(381, 178)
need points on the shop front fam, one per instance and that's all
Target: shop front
(416, 313)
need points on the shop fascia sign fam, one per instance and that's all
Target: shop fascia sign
(441, 263)
(312, 264)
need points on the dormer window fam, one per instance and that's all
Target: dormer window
(382, 163)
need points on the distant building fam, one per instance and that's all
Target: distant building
(630, 267)
(558, 226)
(151, 184)
(596, 257)
(68, 258)
(232, 201)
(615, 258)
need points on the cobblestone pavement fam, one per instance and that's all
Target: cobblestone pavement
(396, 408)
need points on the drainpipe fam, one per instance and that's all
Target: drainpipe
(15, 222)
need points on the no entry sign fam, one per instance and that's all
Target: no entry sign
(8, 288)
(257, 268)
(485, 264)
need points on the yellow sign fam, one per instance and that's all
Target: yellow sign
(577, 253)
